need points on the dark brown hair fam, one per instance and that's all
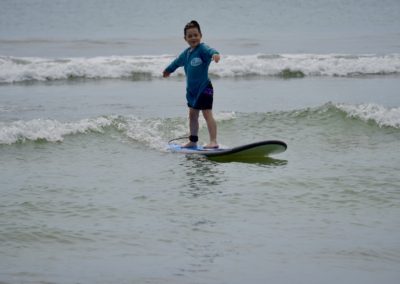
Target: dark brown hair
(190, 25)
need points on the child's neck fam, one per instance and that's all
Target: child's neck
(193, 48)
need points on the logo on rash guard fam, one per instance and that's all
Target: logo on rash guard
(196, 62)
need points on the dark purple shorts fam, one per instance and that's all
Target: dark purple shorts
(205, 100)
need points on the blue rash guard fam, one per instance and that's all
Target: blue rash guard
(195, 63)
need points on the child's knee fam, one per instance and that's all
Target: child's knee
(193, 114)
(207, 114)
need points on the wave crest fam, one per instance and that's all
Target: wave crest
(369, 113)
(383, 117)
(152, 131)
(48, 130)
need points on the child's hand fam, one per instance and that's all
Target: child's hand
(216, 57)
(166, 74)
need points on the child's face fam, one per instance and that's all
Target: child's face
(193, 37)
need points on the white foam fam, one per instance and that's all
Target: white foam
(225, 116)
(46, 129)
(41, 69)
(19, 69)
(147, 131)
(384, 117)
(308, 64)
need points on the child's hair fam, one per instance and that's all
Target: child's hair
(190, 25)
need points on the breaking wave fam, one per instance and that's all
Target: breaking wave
(382, 116)
(22, 69)
(153, 132)
(374, 114)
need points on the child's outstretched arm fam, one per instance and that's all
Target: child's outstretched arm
(211, 53)
(178, 62)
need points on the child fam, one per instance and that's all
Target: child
(199, 90)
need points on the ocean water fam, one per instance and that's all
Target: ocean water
(90, 194)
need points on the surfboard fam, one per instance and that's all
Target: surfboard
(247, 151)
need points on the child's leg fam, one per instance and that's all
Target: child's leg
(212, 128)
(193, 126)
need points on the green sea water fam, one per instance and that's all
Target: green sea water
(91, 195)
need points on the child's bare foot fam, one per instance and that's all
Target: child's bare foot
(212, 145)
(189, 144)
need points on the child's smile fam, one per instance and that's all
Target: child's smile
(193, 37)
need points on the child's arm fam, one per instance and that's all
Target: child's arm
(212, 53)
(178, 62)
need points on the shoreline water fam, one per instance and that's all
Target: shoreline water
(380, 44)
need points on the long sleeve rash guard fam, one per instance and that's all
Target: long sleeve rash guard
(195, 63)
